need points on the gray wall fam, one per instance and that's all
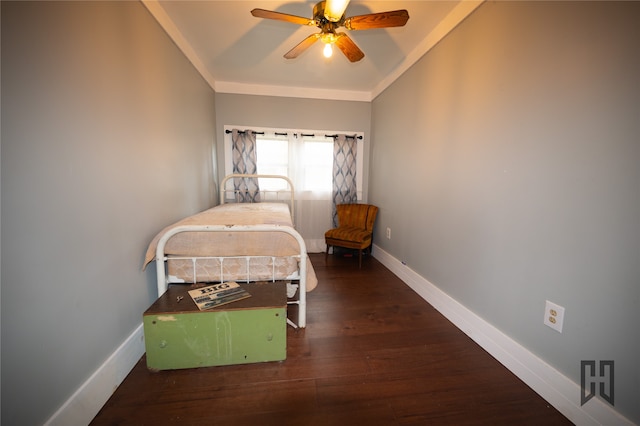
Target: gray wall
(507, 163)
(108, 135)
(292, 113)
(523, 125)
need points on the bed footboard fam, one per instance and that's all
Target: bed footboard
(161, 258)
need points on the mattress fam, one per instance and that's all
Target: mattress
(273, 249)
(241, 269)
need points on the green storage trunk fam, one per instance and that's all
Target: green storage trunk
(178, 335)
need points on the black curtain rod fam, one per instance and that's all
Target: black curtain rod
(256, 133)
(242, 132)
(347, 136)
(309, 135)
(332, 136)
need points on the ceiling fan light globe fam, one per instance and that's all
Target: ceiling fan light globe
(334, 9)
(327, 51)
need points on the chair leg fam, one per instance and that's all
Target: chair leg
(360, 258)
(326, 253)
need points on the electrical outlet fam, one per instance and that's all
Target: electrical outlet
(553, 316)
(388, 233)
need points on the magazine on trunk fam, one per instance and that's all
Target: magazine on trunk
(218, 294)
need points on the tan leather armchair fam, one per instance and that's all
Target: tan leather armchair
(355, 228)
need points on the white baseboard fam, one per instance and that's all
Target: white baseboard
(550, 384)
(87, 401)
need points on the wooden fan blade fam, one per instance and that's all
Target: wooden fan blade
(269, 14)
(395, 18)
(302, 46)
(349, 48)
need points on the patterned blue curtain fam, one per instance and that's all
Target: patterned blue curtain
(344, 172)
(245, 161)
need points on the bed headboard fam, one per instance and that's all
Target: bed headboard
(280, 189)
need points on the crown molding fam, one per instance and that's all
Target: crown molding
(174, 33)
(291, 92)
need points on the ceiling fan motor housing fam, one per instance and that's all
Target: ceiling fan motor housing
(321, 21)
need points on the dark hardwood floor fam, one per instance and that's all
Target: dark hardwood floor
(373, 353)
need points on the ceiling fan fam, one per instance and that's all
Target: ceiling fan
(329, 16)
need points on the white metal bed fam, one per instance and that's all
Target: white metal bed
(224, 244)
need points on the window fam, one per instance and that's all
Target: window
(307, 160)
(306, 157)
(317, 165)
(273, 159)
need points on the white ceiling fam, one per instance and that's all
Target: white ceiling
(238, 53)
